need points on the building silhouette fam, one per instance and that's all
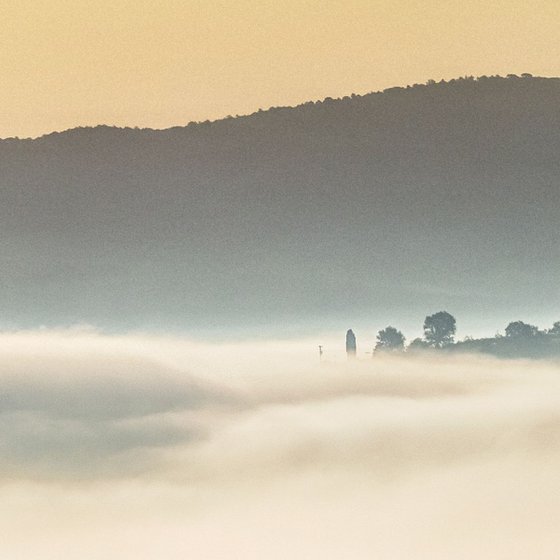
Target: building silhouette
(350, 344)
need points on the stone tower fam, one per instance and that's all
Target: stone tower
(350, 344)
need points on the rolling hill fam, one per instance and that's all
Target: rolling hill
(391, 204)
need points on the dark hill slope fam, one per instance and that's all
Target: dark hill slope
(432, 196)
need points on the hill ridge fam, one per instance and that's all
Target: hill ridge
(282, 108)
(377, 207)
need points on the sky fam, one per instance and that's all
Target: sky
(140, 446)
(151, 63)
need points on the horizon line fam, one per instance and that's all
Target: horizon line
(428, 83)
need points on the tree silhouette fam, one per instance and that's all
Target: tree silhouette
(389, 339)
(418, 344)
(439, 329)
(519, 329)
(555, 328)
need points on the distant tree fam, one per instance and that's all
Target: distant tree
(439, 329)
(555, 328)
(519, 329)
(390, 339)
(418, 344)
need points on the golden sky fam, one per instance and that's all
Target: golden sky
(160, 63)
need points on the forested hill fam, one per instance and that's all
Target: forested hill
(396, 203)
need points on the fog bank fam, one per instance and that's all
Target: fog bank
(145, 446)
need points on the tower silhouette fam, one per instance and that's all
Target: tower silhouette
(350, 344)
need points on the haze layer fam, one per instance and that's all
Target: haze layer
(135, 447)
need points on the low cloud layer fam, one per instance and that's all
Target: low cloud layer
(142, 446)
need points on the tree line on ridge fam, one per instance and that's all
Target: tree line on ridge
(520, 339)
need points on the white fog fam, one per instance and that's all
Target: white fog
(142, 446)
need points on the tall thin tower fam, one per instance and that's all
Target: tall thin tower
(350, 344)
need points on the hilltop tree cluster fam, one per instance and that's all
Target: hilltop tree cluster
(439, 331)
(439, 334)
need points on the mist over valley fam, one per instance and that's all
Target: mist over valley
(133, 446)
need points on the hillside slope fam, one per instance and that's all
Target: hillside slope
(394, 203)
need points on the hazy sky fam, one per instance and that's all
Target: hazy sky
(160, 63)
